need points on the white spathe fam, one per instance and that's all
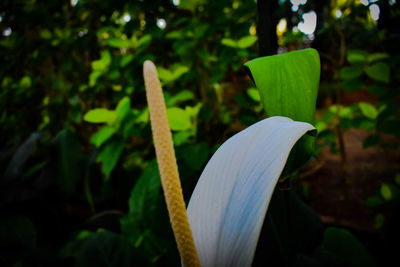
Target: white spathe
(229, 203)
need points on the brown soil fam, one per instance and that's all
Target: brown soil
(340, 200)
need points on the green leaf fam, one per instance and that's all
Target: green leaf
(123, 108)
(17, 231)
(352, 85)
(196, 155)
(118, 42)
(104, 61)
(145, 208)
(377, 57)
(109, 155)
(125, 60)
(377, 89)
(100, 115)
(94, 76)
(343, 244)
(288, 86)
(357, 56)
(374, 201)
(389, 191)
(181, 137)
(229, 42)
(183, 95)
(254, 94)
(397, 178)
(386, 192)
(25, 82)
(106, 249)
(368, 110)
(348, 73)
(247, 41)
(69, 160)
(143, 199)
(190, 4)
(45, 34)
(178, 119)
(102, 135)
(371, 140)
(379, 72)
(144, 41)
(172, 74)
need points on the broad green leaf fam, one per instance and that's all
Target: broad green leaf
(342, 111)
(371, 140)
(343, 244)
(377, 56)
(164, 74)
(25, 82)
(179, 70)
(183, 95)
(106, 249)
(247, 41)
(102, 135)
(377, 89)
(123, 108)
(288, 83)
(180, 138)
(94, 76)
(193, 111)
(125, 60)
(352, 85)
(103, 63)
(143, 199)
(386, 192)
(109, 156)
(68, 160)
(288, 86)
(172, 74)
(45, 34)
(100, 115)
(174, 35)
(374, 201)
(254, 94)
(368, 110)
(348, 73)
(379, 72)
(144, 41)
(196, 155)
(228, 206)
(178, 119)
(190, 4)
(357, 56)
(397, 178)
(145, 208)
(229, 42)
(118, 42)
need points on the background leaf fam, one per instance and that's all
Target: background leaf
(178, 119)
(368, 110)
(379, 71)
(343, 244)
(100, 115)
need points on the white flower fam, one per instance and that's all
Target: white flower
(229, 203)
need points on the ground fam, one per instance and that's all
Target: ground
(341, 201)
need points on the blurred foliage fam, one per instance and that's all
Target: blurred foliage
(80, 184)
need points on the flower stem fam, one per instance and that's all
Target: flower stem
(168, 168)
